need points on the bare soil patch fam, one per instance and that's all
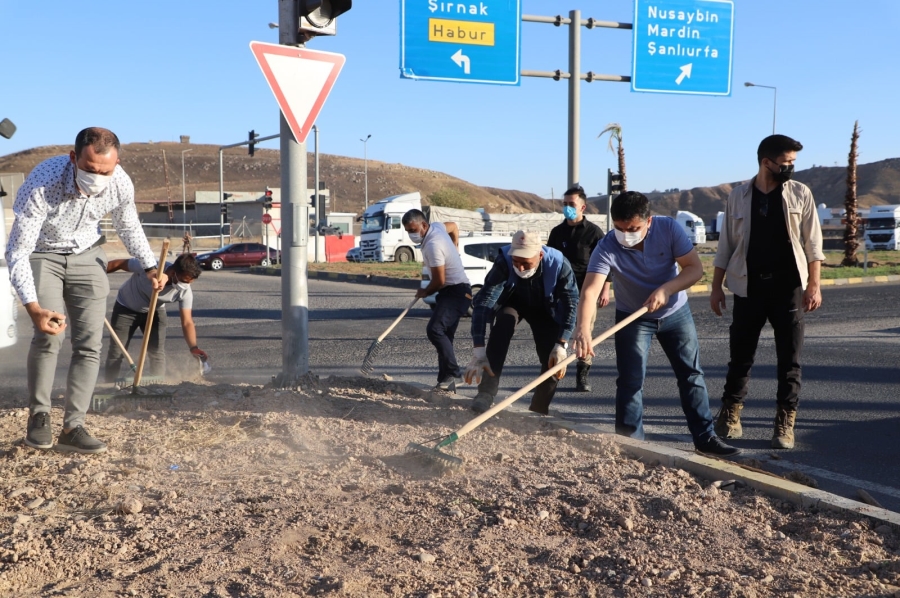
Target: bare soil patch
(248, 491)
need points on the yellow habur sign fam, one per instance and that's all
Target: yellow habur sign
(461, 32)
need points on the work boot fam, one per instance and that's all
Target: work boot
(783, 438)
(582, 382)
(483, 401)
(728, 424)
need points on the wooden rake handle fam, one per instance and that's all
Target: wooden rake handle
(397, 321)
(149, 326)
(552, 371)
(115, 337)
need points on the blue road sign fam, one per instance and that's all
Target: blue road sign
(471, 42)
(683, 46)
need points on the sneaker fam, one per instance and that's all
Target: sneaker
(728, 423)
(39, 435)
(716, 446)
(79, 441)
(483, 401)
(446, 385)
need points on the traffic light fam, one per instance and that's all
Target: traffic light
(267, 202)
(613, 183)
(223, 207)
(320, 13)
(251, 147)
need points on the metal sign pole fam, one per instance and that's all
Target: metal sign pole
(574, 95)
(317, 203)
(295, 227)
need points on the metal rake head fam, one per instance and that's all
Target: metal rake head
(437, 456)
(368, 365)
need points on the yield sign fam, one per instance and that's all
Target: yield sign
(301, 80)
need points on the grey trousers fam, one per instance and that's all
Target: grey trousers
(76, 285)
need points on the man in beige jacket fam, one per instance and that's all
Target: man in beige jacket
(770, 257)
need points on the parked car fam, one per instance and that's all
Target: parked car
(238, 254)
(478, 254)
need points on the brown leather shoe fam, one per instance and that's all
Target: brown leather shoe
(783, 437)
(728, 424)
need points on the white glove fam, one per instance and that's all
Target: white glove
(478, 363)
(206, 368)
(557, 355)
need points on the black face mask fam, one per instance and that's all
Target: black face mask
(784, 174)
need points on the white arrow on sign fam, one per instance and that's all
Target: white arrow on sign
(685, 72)
(461, 60)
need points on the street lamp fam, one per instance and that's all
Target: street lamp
(366, 165)
(775, 100)
(183, 189)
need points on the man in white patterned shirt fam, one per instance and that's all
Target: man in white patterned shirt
(56, 264)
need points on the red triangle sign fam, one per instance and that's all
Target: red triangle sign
(301, 80)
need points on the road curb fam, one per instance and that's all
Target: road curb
(403, 283)
(413, 283)
(709, 468)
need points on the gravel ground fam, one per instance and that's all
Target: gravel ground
(233, 490)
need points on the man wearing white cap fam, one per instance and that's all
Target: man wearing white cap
(532, 282)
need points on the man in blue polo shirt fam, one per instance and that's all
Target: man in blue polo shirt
(643, 254)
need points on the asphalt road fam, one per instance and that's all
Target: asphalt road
(848, 428)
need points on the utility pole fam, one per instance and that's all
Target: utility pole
(295, 231)
(575, 76)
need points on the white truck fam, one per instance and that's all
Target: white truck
(692, 225)
(8, 304)
(883, 228)
(383, 238)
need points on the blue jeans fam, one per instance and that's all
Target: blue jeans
(678, 338)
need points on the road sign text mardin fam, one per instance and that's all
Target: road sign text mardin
(685, 31)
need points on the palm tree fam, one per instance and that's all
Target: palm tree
(615, 133)
(851, 243)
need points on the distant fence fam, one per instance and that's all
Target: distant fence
(197, 230)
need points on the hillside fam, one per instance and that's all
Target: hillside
(878, 183)
(343, 176)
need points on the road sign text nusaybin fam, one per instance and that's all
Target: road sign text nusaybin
(683, 46)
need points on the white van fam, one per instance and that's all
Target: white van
(8, 304)
(478, 255)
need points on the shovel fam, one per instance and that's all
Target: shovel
(452, 460)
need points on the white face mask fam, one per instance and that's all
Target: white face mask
(415, 238)
(91, 183)
(525, 273)
(178, 284)
(629, 239)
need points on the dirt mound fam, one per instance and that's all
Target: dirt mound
(250, 491)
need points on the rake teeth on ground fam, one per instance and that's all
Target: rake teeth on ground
(368, 365)
(438, 456)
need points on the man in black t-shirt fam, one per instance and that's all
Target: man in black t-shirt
(770, 251)
(576, 238)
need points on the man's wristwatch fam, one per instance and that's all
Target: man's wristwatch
(563, 344)
(150, 269)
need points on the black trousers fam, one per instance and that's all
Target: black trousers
(450, 305)
(545, 331)
(126, 322)
(782, 307)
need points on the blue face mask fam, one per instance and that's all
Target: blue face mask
(570, 213)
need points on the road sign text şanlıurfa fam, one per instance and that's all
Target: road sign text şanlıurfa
(683, 46)
(472, 42)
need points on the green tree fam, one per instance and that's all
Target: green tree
(851, 242)
(448, 197)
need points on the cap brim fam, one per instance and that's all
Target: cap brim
(526, 253)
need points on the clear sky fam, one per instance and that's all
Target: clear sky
(157, 70)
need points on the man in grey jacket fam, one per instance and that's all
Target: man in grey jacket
(770, 256)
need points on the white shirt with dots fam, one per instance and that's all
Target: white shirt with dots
(53, 216)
